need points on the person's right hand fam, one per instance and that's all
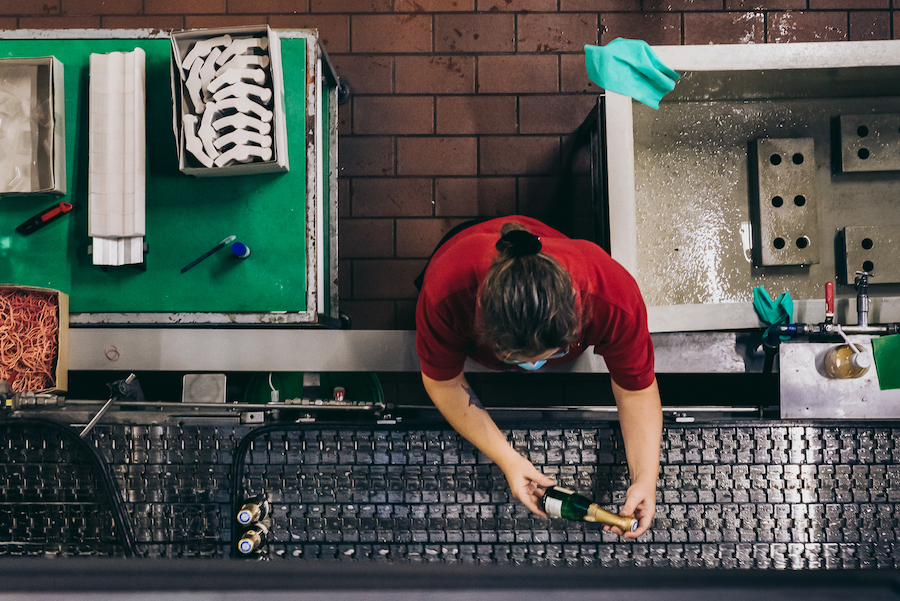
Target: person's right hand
(526, 482)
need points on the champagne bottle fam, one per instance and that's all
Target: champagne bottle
(252, 538)
(559, 502)
(254, 509)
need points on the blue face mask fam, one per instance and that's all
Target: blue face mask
(532, 366)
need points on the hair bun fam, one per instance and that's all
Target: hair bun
(519, 243)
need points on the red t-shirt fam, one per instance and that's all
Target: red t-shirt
(615, 317)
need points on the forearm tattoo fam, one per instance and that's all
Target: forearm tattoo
(473, 399)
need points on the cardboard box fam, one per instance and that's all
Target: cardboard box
(61, 371)
(32, 99)
(182, 44)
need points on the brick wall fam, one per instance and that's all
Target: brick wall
(462, 108)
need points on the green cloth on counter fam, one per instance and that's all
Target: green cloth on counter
(887, 361)
(773, 313)
(630, 67)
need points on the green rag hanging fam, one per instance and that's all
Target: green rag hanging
(773, 313)
(630, 67)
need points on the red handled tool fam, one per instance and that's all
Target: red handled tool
(44, 217)
(829, 302)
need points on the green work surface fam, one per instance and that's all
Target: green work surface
(185, 216)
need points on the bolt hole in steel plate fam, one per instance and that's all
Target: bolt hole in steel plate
(874, 249)
(870, 142)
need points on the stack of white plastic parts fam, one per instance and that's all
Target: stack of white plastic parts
(230, 93)
(117, 158)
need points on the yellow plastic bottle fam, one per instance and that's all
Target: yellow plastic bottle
(842, 362)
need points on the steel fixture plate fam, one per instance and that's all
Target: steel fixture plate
(807, 393)
(875, 249)
(788, 231)
(870, 142)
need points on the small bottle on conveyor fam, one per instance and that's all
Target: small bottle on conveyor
(559, 502)
(252, 539)
(255, 509)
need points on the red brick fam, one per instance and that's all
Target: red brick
(386, 34)
(433, 6)
(416, 238)
(393, 115)
(103, 7)
(764, 4)
(392, 197)
(555, 114)
(179, 7)
(385, 278)
(468, 196)
(474, 33)
(685, 5)
(343, 197)
(573, 74)
(600, 5)
(518, 74)
(875, 25)
(519, 155)
(653, 28)
(57, 23)
(435, 74)
(365, 156)
(724, 28)
(163, 22)
(345, 113)
(366, 74)
(849, 4)
(517, 5)
(567, 32)
(896, 21)
(29, 7)
(437, 156)
(334, 30)
(370, 314)
(350, 6)
(215, 21)
(366, 238)
(807, 27)
(476, 115)
(12, 22)
(291, 7)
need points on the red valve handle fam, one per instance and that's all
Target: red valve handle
(829, 298)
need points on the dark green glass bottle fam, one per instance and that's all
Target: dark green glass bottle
(559, 502)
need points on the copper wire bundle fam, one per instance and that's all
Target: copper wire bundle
(29, 339)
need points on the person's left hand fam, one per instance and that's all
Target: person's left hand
(640, 503)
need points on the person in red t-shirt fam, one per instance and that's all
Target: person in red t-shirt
(513, 293)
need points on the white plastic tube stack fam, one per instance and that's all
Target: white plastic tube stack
(117, 158)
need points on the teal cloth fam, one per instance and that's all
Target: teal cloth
(630, 67)
(773, 313)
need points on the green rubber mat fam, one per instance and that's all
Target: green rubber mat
(186, 216)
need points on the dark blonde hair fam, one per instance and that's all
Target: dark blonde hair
(527, 300)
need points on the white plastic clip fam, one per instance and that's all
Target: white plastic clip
(243, 61)
(203, 47)
(240, 46)
(208, 72)
(242, 121)
(233, 76)
(245, 105)
(206, 133)
(243, 90)
(243, 154)
(192, 142)
(194, 87)
(242, 137)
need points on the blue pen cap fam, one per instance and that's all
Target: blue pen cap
(240, 250)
